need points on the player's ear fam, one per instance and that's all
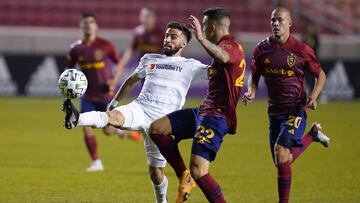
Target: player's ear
(212, 27)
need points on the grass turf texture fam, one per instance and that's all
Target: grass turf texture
(40, 161)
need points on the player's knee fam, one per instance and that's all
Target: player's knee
(88, 131)
(282, 154)
(197, 171)
(156, 174)
(116, 118)
(160, 126)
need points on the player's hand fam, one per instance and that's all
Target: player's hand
(109, 108)
(311, 103)
(196, 27)
(112, 86)
(247, 98)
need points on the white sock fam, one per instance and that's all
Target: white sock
(95, 119)
(160, 191)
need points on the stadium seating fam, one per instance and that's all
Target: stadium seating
(248, 15)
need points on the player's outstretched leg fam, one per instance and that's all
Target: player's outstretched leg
(318, 135)
(71, 114)
(315, 135)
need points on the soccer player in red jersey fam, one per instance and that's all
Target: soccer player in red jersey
(208, 124)
(147, 37)
(95, 57)
(282, 60)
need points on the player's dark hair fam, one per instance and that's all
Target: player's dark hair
(181, 27)
(216, 13)
(86, 14)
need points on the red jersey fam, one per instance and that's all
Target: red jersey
(96, 61)
(147, 41)
(283, 68)
(225, 83)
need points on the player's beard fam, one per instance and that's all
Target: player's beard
(168, 51)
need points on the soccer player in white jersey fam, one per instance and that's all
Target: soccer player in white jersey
(167, 81)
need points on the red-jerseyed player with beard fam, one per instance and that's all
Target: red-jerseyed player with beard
(282, 60)
(95, 57)
(216, 117)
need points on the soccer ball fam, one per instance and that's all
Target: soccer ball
(72, 83)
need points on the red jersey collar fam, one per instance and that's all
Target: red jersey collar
(288, 41)
(226, 37)
(94, 42)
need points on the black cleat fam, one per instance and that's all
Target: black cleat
(71, 114)
(318, 135)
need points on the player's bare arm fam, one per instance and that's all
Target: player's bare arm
(319, 85)
(249, 96)
(118, 71)
(120, 68)
(214, 50)
(124, 90)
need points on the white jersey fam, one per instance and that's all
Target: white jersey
(167, 81)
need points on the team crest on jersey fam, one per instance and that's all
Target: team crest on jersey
(81, 58)
(291, 60)
(98, 54)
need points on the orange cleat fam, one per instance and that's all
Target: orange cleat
(135, 135)
(186, 185)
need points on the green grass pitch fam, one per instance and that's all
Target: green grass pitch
(40, 161)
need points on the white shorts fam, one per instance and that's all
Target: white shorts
(137, 119)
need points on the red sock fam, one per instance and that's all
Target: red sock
(297, 151)
(284, 181)
(91, 145)
(169, 149)
(211, 189)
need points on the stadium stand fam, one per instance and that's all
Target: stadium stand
(115, 14)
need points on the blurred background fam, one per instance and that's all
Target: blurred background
(35, 36)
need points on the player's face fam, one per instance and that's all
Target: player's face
(89, 26)
(147, 18)
(280, 23)
(174, 41)
(209, 29)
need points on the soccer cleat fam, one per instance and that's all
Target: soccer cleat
(136, 136)
(71, 114)
(186, 184)
(318, 135)
(96, 166)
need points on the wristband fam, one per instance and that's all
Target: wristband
(113, 103)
